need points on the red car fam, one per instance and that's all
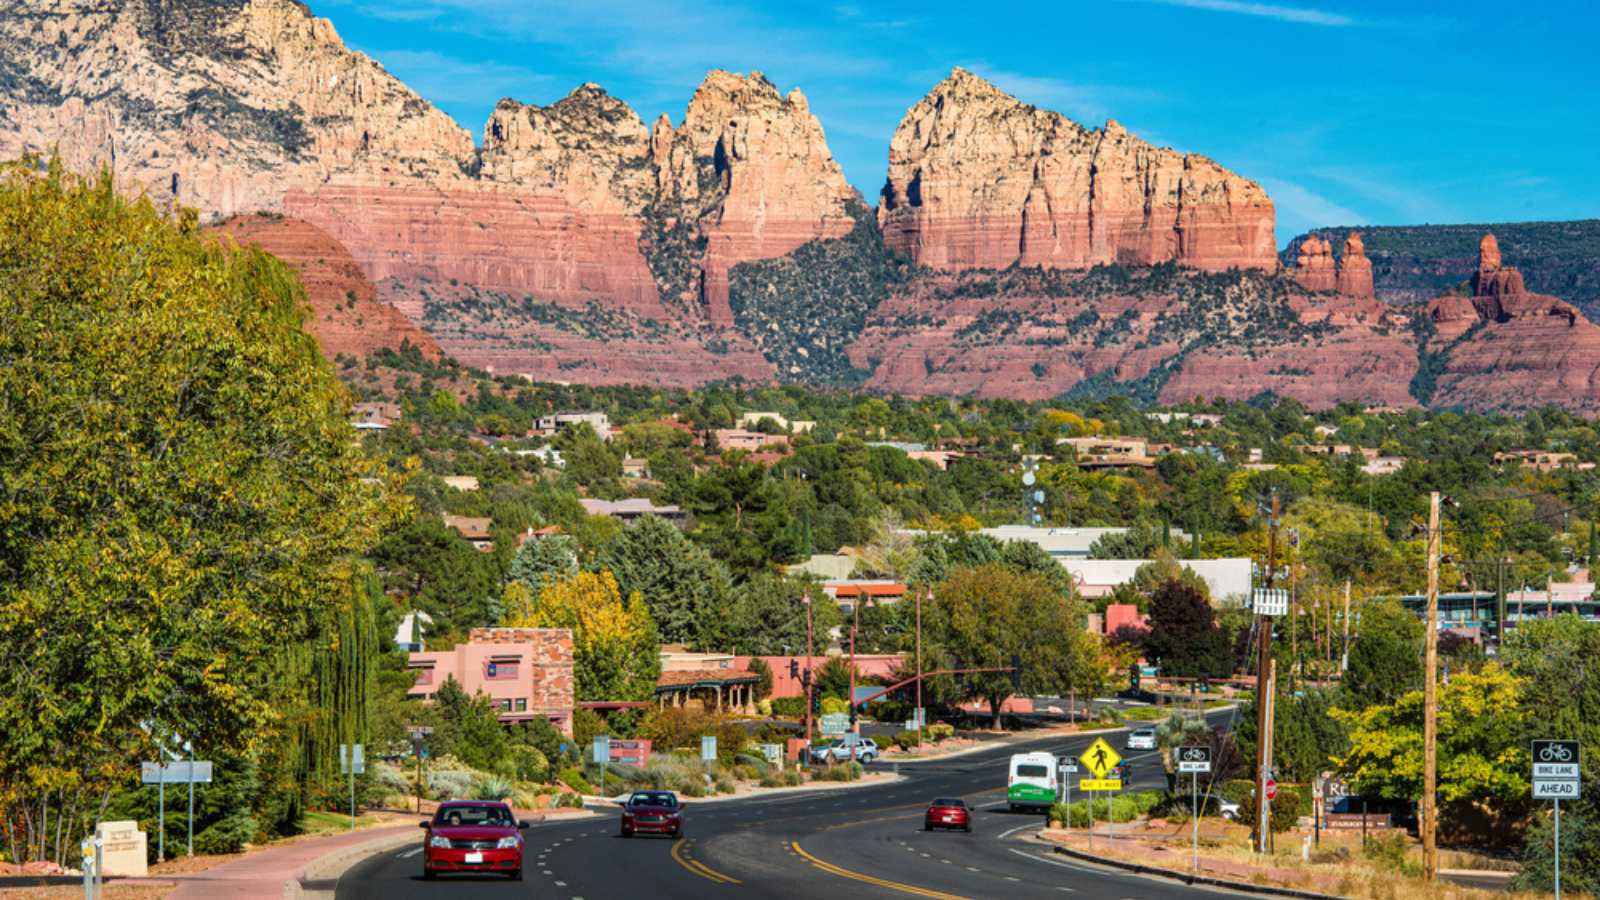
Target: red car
(654, 812)
(473, 836)
(947, 812)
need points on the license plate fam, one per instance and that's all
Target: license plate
(473, 858)
(949, 818)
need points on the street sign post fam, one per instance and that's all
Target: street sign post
(419, 749)
(1099, 759)
(183, 771)
(1272, 789)
(1194, 761)
(1557, 773)
(602, 755)
(352, 762)
(708, 748)
(835, 724)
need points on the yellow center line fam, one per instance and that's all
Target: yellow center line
(699, 868)
(832, 869)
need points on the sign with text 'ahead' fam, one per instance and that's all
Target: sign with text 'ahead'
(1556, 770)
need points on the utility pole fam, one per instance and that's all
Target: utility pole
(1500, 602)
(808, 679)
(1346, 652)
(918, 713)
(855, 611)
(1264, 688)
(1430, 721)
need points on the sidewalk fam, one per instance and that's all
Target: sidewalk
(265, 875)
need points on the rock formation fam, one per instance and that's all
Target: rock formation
(1355, 270)
(978, 179)
(1494, 279)
(345, 315)
(256, 105)
(1314, 268)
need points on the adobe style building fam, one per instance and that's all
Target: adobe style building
(525, 672)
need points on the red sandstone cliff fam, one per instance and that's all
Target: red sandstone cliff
(1315, 269)
(1510, 349)
(978, 179)
(346, 316)
(256, 105)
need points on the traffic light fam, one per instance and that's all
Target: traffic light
(794, 668)
(816, 704)
(1016, 673)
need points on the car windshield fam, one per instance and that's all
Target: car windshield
(472, 815)
(652, 798)
(1145, 732)
(949, 801)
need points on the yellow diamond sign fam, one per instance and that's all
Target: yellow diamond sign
(1099, 758)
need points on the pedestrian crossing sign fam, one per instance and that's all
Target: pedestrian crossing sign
(1099, 758)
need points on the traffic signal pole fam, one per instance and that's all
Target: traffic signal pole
(808, 670)
(1264, 690)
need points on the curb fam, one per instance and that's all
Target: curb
(1208, 880)
(320, 877)
(1018, 738)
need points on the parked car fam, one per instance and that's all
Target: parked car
(1141, 739)
(1230, 810)
(947, 812)
(652, 812)
(844, 748)
(473, 836)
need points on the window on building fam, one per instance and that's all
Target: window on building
(424, 674)
(522, 704)
(502, 668)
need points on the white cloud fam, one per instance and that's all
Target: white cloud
(1304, 208)
(1409, 203)
(1297, 14)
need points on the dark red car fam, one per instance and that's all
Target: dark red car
(947, 812)
(473, 836)
(652, 812)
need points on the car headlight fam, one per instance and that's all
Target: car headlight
(439, 842)
(506, 843)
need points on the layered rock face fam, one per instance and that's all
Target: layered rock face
(978, 179)
(1316, 270)
(255, 105)
(346, 316)
(1506, 348)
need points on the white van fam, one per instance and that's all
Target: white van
(1032, 782)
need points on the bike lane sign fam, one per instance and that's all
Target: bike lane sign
(1556, 770)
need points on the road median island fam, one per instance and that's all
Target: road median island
(1167, 854)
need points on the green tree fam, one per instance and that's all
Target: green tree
(551, 556)
(590, 462)
(985, 616)
(767, 616)
(1482, 747)
(685, 589)
(615, 651)
(758, 667)
(438, 572)
(181, 498)
(468, 727)
(1385, 657)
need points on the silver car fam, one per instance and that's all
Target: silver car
(1141, 739)
(845, 748)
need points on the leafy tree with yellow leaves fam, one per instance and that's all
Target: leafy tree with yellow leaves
(614, 646)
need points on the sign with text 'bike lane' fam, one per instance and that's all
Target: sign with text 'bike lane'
(1556, 770)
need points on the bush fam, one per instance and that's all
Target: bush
(834, 705)
(448, 784)
(849, 771)
(1390, 852)
(786, 778)
(573, 778)
(906, 740)
(674, 729)
(789, 707)
(492, 787)
(528, 763)
(764, 708)
(940, 731)
(228, 835)
(572, 801)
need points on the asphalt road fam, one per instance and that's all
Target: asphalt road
(861, 842)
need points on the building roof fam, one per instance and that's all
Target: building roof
(472, 528)
(849, 588)
(632, 506)
(1096, 577)
(835, 566)
(704, 678)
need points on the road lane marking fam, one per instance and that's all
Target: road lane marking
(1009, 832)
(697, 867)
(832, 869)
(408, 854)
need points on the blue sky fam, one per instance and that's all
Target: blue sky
(1348, 113)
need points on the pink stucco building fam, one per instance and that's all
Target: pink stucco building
(525, 672)
(881, 665)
